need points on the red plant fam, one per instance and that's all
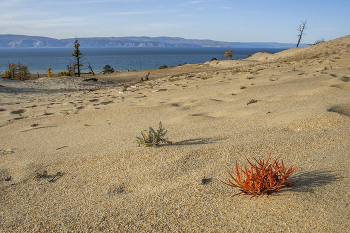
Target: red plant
(261, 178)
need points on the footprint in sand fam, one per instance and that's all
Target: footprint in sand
(19, 111)
(7, 151)
(343, 109)
(345, 79)
(33, 106)
(84, 107)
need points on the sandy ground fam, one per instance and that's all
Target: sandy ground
(86, 133)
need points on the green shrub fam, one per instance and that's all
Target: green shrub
(152, 137)
(107, 69)
(163, 67)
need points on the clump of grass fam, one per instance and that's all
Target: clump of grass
(262, 178)
(152, 137)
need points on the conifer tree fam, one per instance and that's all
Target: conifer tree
(17, 72)
(107, 69)
(10, 73)
(23, 72)
(78, 55)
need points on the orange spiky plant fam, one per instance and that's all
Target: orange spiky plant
(262, 178)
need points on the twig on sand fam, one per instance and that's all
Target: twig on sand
(53, 178)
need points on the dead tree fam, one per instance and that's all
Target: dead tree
(90, 68)
(301, 30)
(146, 77)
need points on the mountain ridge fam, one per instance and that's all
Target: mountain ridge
(23, 41)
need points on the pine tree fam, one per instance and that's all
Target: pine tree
(78, 55)
(107, 69)
(17, 72)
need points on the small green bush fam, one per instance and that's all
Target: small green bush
(152, 137)
(107, 69)
(163, 67)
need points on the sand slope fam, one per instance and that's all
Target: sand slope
(86, 131)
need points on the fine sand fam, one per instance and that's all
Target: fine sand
(85, 133)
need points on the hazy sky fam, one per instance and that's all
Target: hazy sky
(223, 20)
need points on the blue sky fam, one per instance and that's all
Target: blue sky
(223, 20)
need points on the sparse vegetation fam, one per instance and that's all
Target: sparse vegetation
(71, 69)
(163, 67)
(78, 55)
(91, 70)
(19, 72)
(41, 175)
(228, 54)
(319, 41)
(49, 74)
(251, 101)
(107, 69)
(262, 178)
(60, 74)
(152, 137)
(301, 29)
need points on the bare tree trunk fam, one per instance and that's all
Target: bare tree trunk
(89, 66)
(78, 64)
(301, 30)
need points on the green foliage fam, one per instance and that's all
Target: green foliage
(163, 67)
(78, 55)
(107, 69)
(152, 137)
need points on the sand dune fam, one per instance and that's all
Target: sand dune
(84, 132)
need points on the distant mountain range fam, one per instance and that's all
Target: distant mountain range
(21, 41)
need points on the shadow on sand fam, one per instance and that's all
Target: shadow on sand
(197, 141)
(306, 181)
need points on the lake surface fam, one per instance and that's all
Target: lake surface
(122, 59)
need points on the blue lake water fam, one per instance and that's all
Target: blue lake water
(122, 59)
